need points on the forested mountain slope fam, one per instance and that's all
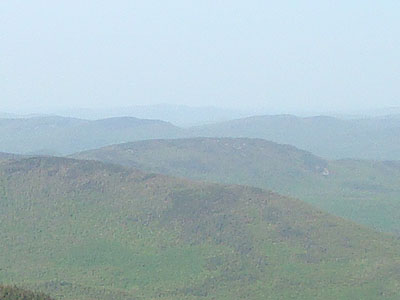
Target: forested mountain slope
(87, 230)
(367, 192)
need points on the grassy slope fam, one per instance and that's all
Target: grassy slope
(364, 191)
(369, 138)
(87, 230)
(58, 136)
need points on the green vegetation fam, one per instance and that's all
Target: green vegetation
(87, 230)
(366, 192)
(14, 293)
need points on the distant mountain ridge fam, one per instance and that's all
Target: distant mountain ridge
(8, 156)
(364, 191)
(59, 135)
(330, 137)
(180, 115)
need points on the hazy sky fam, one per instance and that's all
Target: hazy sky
(319, 55)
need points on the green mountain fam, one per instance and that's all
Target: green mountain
(14, 293)
(366, 192)
(88, 230)
(368, 138)
(59, 136)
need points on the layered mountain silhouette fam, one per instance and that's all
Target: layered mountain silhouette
(364, 191)
(366, 138)
(59, 135)
(328, 137)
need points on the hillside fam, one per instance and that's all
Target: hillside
(368, 138)
(8, 156)
(87, 230)
(14, 293)
(59, 136)
(366, 192)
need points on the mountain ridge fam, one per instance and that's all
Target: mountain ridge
(60, 135)
(363, 191)
(326, 136)
(92, 230)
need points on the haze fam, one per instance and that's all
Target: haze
(199, 150)
(274, 55)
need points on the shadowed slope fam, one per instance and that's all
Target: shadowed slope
(13, 293)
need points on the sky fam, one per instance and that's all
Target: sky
(277, 55)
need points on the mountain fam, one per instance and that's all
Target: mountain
(366, 192)
(368, 138)
(59, 136)
(6, 156)
(88, 230)
(180, 115)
